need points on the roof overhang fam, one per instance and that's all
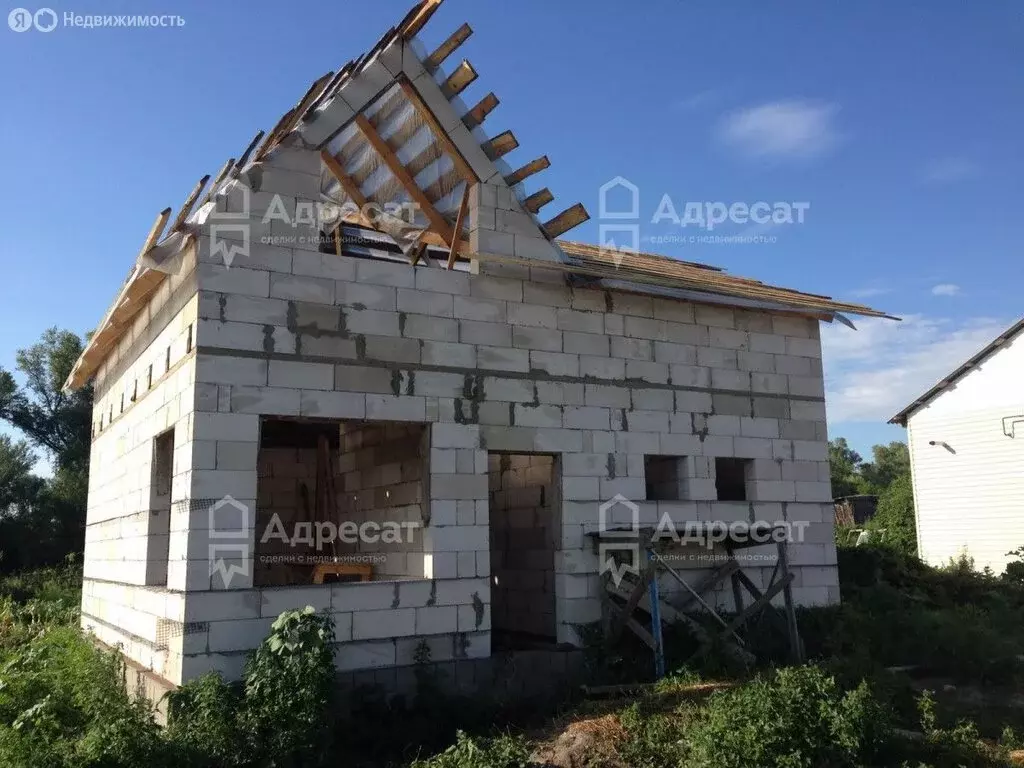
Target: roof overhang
(954, 376)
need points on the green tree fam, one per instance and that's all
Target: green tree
(844, 469)
(55, 420)
(895, 516)
(42, 520)
(891, 461)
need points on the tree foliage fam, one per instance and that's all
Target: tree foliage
(844, 466)
(41, 520)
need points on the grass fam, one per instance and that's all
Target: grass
(62, 703)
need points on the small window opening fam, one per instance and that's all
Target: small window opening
(731, 478)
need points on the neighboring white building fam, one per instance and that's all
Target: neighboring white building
(966, 440)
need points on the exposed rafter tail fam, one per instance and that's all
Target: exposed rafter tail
(248, 151)
(528, 170)
(479, 113)
(221, 175)
(566, 220)
(417, 18)
(459, 80)
(500, 145)
(156, 230)
(190, 201)
(447, 48)
(538, 200)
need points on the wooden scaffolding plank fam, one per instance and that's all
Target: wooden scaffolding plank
(447, 48)
(566, 220)
(528, 170)
(479, 113)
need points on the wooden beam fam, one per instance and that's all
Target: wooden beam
(459, 80)
(479, 113)
(350, 187)
(156, 230)
(437, 221)
(528, 170)
(459, 221)
(538, 200)
(271, 138)
(465, 170)
(248, 150)
(417, 18)
(566, 220)
(447, 48)
(290, 118)
(500, 145)
(186, 207)
(221, 175)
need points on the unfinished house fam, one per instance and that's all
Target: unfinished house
(358, 370)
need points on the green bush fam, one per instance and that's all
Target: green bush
(895, 515)
(63, 703)
(796, 718)
(467, 752)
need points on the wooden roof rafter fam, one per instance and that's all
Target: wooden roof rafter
(437, 222)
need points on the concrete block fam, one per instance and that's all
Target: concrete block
(632, 349)
(586, 417)
(373, 322)
(532, 315)
(332, 405)
(509, 390)
(449, 354)
(764, 342)
(643, 370)
(372, 625)
(541, 339)
(606, 396)
(238, 280)
(455, 436)
(488, 310)
(489, 334)
(503, 359)
(442, 281)
(602, 367)
(555, 363)
(385, 273)
(357, 378)
(425, 302)
(391, 408)
(436, 620)
(364, 296)
(231, 370)
(299, 288)
(537, 415)
(309, 263)
(365, 655)
(586, 343)
(297, 375)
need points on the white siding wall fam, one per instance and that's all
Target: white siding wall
(970, 497)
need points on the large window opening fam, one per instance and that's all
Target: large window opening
(525, 531)
(355, 488)
(158, 532)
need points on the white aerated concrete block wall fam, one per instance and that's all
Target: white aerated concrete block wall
(511, 361)
(132, 556)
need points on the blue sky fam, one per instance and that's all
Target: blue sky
(900, 127)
